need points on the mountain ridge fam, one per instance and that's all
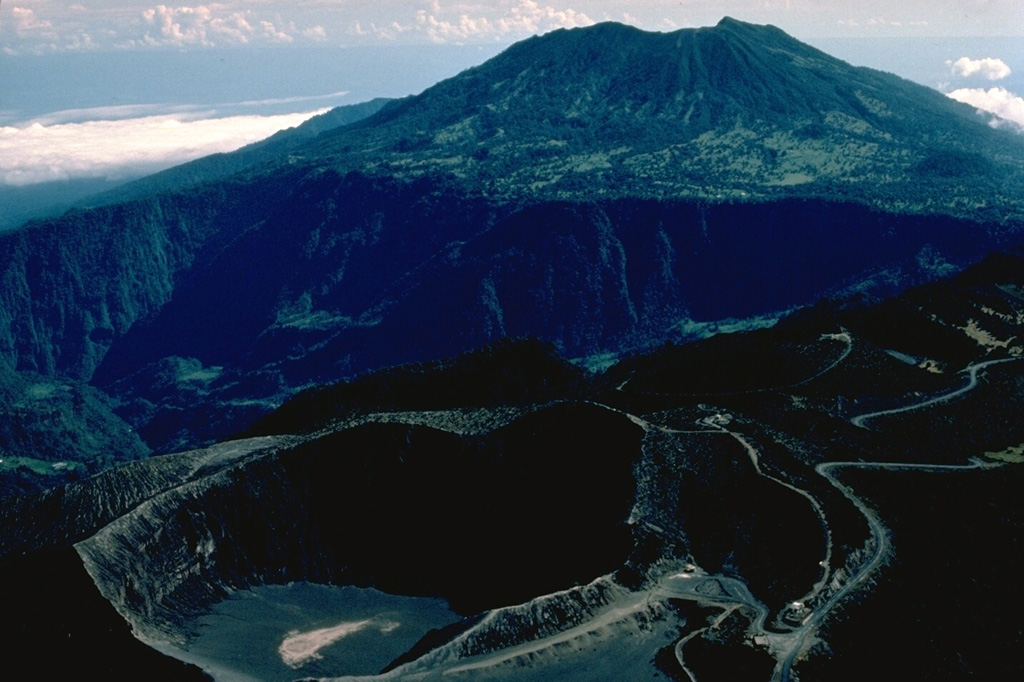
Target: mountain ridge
(599, 199)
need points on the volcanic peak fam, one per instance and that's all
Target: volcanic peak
(731, 111)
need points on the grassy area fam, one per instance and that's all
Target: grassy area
(1013, 454)
(38, 466)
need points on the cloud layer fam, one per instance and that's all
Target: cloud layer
(46, 151)
(998, 101)
(57, 26)
(39, 26)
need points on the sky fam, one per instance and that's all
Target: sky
(174, 81)
(68, 25)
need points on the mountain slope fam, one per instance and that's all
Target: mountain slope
(220, 166)
(734, 110)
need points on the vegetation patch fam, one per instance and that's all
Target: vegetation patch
(39, 467)
(1012, 455)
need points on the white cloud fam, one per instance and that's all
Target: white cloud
(316, 33)
(440, 30)
(275, 34)
(41, 26)
(526, 17)
(998, 101)
(990, 68)
(530, 17)
(202, 25)
(41, 152)
(25, 20)
(179, 25)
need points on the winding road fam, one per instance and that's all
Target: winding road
(879, 543)
(784, 641)
(787, 646)
(879, 536)
(972, 383)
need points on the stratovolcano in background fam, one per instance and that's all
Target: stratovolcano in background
(174, 83)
